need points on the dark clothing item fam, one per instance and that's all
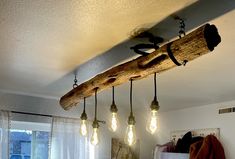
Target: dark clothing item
(183, 144)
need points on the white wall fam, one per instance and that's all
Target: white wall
(197, 118)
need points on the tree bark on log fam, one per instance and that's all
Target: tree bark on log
(197, 43)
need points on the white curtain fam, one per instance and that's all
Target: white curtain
(66, 141)
(4, 134)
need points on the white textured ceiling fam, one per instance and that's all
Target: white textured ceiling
(42, 42)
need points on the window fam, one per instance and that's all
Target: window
(27, 141)
(30, 137)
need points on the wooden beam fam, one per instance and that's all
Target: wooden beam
(197, 43)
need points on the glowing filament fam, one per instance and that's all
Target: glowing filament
(152, 123)
(83, 128)
(95, 137)
(114, 122)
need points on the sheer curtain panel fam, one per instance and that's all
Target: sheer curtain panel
(66, 141)
(4, 134)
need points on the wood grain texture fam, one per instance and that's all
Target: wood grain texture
(197, 43)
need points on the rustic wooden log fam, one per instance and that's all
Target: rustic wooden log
(191, 46)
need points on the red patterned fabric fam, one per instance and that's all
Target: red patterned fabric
(208, 148)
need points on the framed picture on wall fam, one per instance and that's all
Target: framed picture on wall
(120, 150)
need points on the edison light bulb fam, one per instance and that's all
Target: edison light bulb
(130, 137)
(83, 128)
(152, 122)
(95, 136)
(114, 122)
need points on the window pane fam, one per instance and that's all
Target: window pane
(20, 144)
(40, 142)
(25, 144)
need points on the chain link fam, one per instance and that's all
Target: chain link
(75, 82)
(182, 28)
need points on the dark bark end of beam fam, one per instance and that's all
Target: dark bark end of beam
(212, 36)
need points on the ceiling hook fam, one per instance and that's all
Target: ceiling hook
(182, 28)
(75, 81)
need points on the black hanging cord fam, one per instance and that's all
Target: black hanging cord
(155, 86)
(113, 107)
(96, 122)
(84, 106)
(113, 95)
(95, 104)
(131, 96)
(84, 115)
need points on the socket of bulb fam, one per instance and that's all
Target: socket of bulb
(131, 119)
(155, 105)
(95, 124)
(113, 108)
(83, 116)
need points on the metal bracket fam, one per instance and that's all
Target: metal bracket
(101, 121)
(154, 40)
(172, 57)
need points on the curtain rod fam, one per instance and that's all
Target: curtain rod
(50, 116)
(36, 114)
(43, 115)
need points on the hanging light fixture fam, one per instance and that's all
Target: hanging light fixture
(130, 136)
(151, 126)
(84, 127)
(114, 118)
(95, 125)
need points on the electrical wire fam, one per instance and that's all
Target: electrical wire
(113, 94)
(131, 96)
(155, 86)
(84, 106)
(96, 103)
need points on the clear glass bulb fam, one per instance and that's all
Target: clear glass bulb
(95, 136)
(114, 122)
(83, 128)
(152, 122)
(130, 136)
